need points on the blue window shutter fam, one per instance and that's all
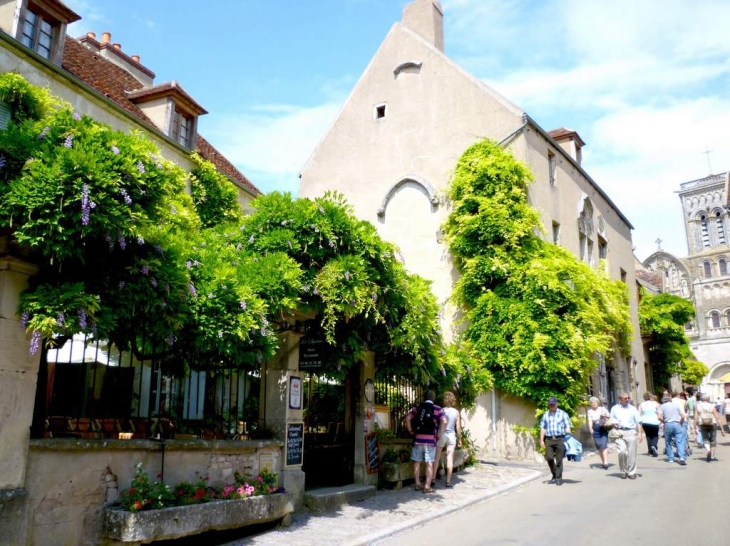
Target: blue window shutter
(4, 115)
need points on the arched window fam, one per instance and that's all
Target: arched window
(720, 222)
(707, 268)
(705, 231)
(714, 319)
(722, 264)
(727, 319)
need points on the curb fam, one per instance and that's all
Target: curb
(372, 538)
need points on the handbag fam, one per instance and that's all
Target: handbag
(610, 423)
(603, 419)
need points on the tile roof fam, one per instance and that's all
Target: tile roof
(563, 132)
(164, 89)
(116, 84)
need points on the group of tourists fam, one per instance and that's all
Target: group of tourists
(680, 418)
(433, 429)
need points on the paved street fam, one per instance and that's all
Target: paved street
(668, 505)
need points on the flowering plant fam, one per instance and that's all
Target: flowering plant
(144, 495)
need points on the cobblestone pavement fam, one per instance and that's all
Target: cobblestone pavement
(391, 511)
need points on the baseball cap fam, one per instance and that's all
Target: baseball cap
(552, 401)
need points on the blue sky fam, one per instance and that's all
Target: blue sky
(644, 83)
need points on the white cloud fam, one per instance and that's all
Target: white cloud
(270, 143)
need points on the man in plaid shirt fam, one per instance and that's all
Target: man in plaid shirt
(554, 425)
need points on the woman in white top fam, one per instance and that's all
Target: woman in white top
(649, 412)
(452, 432)
(600, 434)
(706, 417)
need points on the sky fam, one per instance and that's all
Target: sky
(645, 83)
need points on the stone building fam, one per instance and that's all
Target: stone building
(702, 276)
(391, 151)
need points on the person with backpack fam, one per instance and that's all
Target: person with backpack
(426, 422)
(706, 417)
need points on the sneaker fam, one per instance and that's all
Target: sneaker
(654, 452)
(551, 481)
(624, 475)
(709, 456)
(632, 476)
(682, 462)
(558, 482)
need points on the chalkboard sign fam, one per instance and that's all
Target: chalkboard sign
(372, 453)
(312, 353)
(294, 444)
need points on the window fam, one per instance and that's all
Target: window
(582, 245)
(707, 269)
(589, 249)
(727, 318)
(714, 319)
(552, 167)
(379, 111)
(720, 228)
(602, 248)
(623, 276)
(705, 231)
(181, 128)
(556, 233)
(722, 264)
(37, 34)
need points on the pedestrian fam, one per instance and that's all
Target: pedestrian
(554, 425)
(726, 410)
(426, 423)
(670, 414)
(691, 403)
(680, 398)
(698, 432)
(629, 423)
(450, 438)
(600, 434)
(648, 410)
(708, 418)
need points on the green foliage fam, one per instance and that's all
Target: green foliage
(27, 102)
(662, 318)
(468, 444)
(214, 196)
(535, 316)
(144, 495)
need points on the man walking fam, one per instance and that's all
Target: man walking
(426, 422)
(629, 422)
(554, 425)
(672, 416)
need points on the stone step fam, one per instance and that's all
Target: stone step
(330, 499)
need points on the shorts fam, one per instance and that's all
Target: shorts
(424, 453)
(448, 439)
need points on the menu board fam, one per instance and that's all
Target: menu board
(372, 453)
(294, 444)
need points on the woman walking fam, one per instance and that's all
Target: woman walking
(449, 438)
(649, 412)
(600, 434)
(706, 417)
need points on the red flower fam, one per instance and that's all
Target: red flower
(199, 494)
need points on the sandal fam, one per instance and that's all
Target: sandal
(418, 487)
(429, 490)
(449, 485)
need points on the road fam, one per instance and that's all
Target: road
(666, 505)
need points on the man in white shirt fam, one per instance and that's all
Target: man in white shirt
(629, 422)
(726, 409)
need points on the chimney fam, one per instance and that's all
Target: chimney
(135, 58)
(425, 17)
(117, 46)
(91, 34)
(106, 37)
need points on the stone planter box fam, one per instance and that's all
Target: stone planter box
(122, 527)
(395, 474)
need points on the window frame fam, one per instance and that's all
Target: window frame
(35, 43)
(552, 168)
(176, 127)
(707, 269)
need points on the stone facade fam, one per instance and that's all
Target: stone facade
(703, 276)
(391, 152)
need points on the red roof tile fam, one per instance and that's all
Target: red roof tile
(116, 84)
(563, 133)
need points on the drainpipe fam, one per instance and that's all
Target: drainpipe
(494, 423)
(514, 133)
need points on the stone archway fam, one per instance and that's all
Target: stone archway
(715, 382)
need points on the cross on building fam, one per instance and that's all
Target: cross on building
(658, 244)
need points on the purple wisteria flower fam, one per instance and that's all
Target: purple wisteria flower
(93, 327)
(188, 264)
(2, 161)
(125, 195)
(243, 304)
(251, 240)
(284, 223)
(220, 333)
(321, 209)
(61, 320)
(375, 298)
(193, 291)
(44, 132)
(239, 246)
(140, 167)
(210, 295)
(76, 116)
(24, 319)
(173, 210)
(315, 291)
(347, 275)
(154, 282)
(170, 340)
(69, 142)
(115, 150)
(163, 304)
(159, 250)
(35, 342)
(122, 242)
(140, 241)
(332, 243)
(86, 205)
(145, 269)
(82, 319)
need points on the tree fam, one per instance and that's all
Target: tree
(535, 316)
(662, 318)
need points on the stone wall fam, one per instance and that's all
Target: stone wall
(70, 481)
